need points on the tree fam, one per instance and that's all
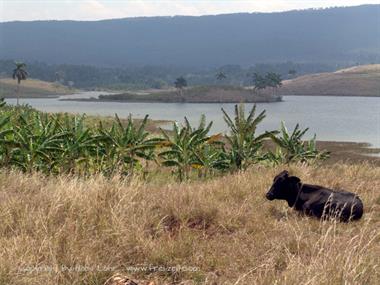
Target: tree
(259, 82)
(59, 77)
(21, 74)
(221, 76)
(273, 80)
(292, 73)
(180, 83)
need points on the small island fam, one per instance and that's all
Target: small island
(198, 94)
(220, 93)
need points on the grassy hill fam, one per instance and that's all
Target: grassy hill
(355, 81)
(221, 231)
(32, 88)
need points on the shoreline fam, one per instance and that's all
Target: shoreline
(261, 98)
(195, 94)
(345, 152)
(57, 96)
(351, 152)
(331, 95)
(170, 102)
(340, 151)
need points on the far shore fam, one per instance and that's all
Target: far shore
(330, 95)
(347, 152)
(350, 152)
(93, 99)
(173, 102)
(195, 94)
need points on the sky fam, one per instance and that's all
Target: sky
(27, 10)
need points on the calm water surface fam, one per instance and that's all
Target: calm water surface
(354, 119)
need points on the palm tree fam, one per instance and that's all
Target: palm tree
(21, 74)
(220, 76)
(259, 82)
(273, 80)
(292, 73)
(59, 76)
(180, 83)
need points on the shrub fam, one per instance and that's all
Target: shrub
(292, 148)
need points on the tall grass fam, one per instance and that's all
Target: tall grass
(69, 230)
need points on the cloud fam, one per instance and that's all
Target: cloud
(106, 9)
(95, 9)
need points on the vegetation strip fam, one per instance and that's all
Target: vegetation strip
(62, 143)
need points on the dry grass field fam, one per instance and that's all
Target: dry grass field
(31, 88)
(67, 230)
(356, 81)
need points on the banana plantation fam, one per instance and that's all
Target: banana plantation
(62, 143)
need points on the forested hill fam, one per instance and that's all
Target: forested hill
(336, 35)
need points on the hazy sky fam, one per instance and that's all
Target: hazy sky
(11, 10)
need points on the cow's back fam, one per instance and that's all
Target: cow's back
(324, 202)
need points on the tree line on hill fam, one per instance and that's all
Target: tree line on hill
(89, 77)
(259, 82)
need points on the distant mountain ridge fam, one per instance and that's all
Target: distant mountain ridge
(338, 35)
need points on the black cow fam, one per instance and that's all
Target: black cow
(315, 200)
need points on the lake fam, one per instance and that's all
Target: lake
(353, 119)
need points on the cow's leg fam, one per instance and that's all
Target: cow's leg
(313, 208)
(307, 209)
(352, 211)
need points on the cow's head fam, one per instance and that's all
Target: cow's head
(284, 187)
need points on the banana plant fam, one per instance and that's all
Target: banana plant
(38, 143)
(79, 146)
(31, 140)
(6, 140)
(124, 146)
(184, 143)
(245, 145)
(312, 153)
(293, 148)
(2, 102)
(211, 156)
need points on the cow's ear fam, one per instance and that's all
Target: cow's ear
(294, 179)
(284, 173)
